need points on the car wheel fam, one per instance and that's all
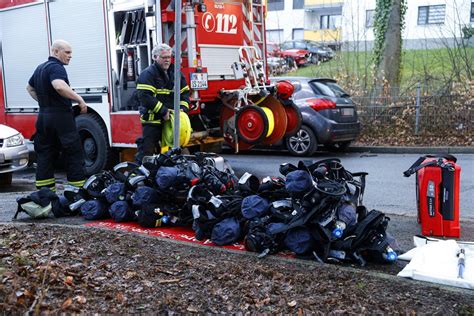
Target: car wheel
(314, 59)
(303, 143)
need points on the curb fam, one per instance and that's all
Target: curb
(411, 150)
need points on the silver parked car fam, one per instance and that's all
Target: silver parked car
(13, 153)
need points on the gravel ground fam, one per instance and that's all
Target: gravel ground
(55, 269)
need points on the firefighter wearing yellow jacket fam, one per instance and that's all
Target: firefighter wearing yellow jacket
(155, 95)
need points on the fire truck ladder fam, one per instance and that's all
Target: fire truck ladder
(258, 28)
(252, 68)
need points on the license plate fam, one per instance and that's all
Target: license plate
(199, 80)
(347, 112)
(2, 158)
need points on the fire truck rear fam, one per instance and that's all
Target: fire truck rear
(223, 59)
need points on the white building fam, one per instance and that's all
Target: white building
(285, 20)
(428, 23)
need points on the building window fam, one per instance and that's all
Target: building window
(432, 14)
(472, 11)
(274, 36)
(369, 18)
(298, 4)
(276, 5)
(298, 34)
(330, 22)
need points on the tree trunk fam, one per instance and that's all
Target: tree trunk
(388, 71)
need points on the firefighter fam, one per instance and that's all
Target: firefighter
(155, 95)
(55, 126)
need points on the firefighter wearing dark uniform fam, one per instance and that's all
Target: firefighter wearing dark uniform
(156, 97)
(55, 126)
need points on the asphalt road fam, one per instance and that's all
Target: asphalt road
(387, 189)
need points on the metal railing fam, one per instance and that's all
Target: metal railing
(417, 112)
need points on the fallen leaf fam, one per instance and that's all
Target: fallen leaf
(66, 303)
(169, 281)
(27, 293)
(165, 271)
(69, 280)
(292, 303)
(192, 309)
(100, 279)
(80, 299)
(148, 283)
(20, 300)
(129, 275)
(340, 311)
(262, 302)
(120, 297)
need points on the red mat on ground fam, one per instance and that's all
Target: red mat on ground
(174, 233)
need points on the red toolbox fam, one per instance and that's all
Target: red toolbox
(437, 194)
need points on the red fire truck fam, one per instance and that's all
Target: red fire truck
(222, 58)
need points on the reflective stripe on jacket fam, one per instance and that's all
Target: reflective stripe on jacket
(155, 93)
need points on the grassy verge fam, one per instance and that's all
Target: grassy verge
(435, 68)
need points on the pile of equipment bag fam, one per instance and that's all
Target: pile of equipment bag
(313, 209)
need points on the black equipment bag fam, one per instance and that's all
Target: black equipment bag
(367, 239)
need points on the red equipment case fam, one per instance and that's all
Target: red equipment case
(437, 195)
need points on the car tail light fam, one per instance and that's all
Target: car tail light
(321, 104)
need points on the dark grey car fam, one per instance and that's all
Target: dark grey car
(329, 115)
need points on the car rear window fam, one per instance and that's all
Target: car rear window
(302, 91)
(329, 88)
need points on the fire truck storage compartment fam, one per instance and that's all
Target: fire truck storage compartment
(218, 60)
(132, 51)
(85, 30)
(24, 38)
(21, 54)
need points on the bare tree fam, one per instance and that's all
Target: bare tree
(388, 43)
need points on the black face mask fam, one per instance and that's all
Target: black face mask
(248, 184)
